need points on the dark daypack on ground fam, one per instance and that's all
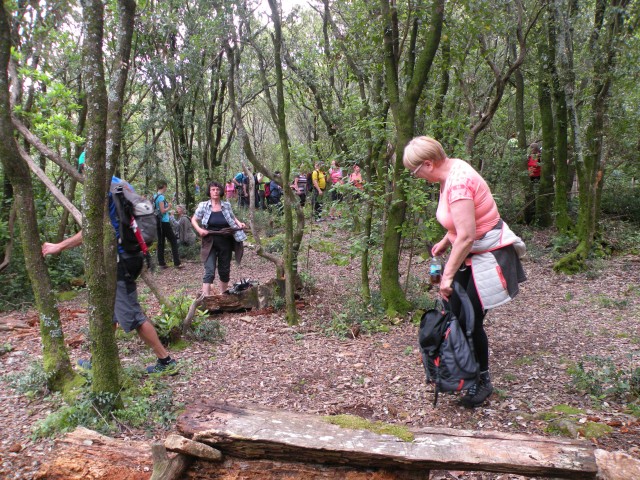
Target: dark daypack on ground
(138, 227)
(447, 351)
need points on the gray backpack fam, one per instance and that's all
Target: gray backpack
(138, 225)
(447, 351)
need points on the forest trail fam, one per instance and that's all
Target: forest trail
(555, 322)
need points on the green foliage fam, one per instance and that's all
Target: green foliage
(274, 244)
(15, 286)
(308, 281)
(169, 321)
(149, 405)
(31, 383)
(208, 330)
(337, 256)
(354, 316)
(621, 197)
(602, 380)
(6, 347)
(358, 423)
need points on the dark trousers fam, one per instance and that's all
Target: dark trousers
(220, 257)
(316, 200)
(480, 340)
(166, 232)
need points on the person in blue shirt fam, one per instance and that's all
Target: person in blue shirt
(241, 182)
(126, 311)
(164, 227)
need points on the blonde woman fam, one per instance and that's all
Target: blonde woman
(484, 251)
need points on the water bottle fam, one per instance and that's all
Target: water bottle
(435, 270)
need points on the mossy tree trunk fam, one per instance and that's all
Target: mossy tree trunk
(544, 199)
(55, 355)
(561, 206)
(403, 108)
(291, 313)
(98, 270)
(604, 45)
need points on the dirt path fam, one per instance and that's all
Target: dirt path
(554, 322)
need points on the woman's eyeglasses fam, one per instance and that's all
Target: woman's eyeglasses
(415, 172)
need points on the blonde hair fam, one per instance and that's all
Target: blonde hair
(420, 149)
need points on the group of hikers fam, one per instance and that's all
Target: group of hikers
(269, 193)
(484, 255)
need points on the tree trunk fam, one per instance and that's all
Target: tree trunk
(604, 47)
(291, 313)
(544, 199)
(55, 355)
(403, 110)
(106, 364)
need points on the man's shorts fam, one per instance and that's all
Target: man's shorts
(127, 311)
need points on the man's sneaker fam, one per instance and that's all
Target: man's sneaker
(86, 364)
(170, 368)
(478, 393)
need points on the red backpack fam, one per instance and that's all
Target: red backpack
(267, 189)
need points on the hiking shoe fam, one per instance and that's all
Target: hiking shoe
(160, 368)
(83, 363)
(478, 393)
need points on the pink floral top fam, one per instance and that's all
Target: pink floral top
(464, 183)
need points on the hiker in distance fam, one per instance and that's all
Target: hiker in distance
(127, 311)
(221, 234)
(484, 251)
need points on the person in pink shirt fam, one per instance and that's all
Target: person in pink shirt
(467, 210)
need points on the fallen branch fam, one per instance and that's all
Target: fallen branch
(188, 320)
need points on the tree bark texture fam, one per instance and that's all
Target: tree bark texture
(604, 42)
(562, 183)
(544, 198)
(55, 355)
(403, 108)
(104, 350)
(291, 314)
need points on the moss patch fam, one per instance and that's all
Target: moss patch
(595, 430)
(567, 409)
(73, 389)
(68, 295)
(358, 423)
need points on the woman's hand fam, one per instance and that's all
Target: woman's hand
(445, 288)
(202, 232)
(440, 248)
(240, 224)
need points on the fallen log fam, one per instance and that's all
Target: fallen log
(84, 454)
(259, 432)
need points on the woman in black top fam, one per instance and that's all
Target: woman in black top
(213, 216)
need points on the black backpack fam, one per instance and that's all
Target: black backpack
(447, 351)
(138, 224)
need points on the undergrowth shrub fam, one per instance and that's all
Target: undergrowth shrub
(148, 405)
(31, 383)
(621, 198)
(601, 379)
(354, 318)
(208, 330)
(169, 321)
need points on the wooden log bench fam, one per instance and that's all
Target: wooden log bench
(229, 442)
(259, 432)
